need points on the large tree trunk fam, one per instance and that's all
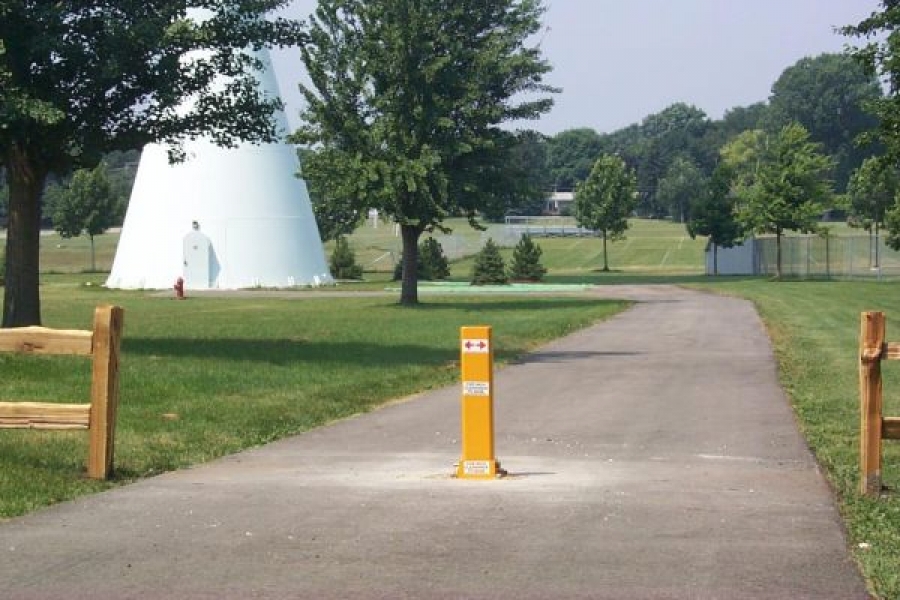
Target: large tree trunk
(21, 298)
(409, 289)
(715, 259)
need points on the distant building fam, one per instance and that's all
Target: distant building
(559, 203)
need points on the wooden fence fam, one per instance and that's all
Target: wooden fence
(874, 426)
(99, 417)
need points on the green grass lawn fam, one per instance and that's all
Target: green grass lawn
(814, 327)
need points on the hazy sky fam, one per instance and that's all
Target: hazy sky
(618, 61)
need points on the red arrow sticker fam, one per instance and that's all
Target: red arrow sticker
(475, 346)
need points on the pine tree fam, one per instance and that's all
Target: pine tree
(489, 266)
(343, 261)
(526, 261)
(434, 262)
(431, 263)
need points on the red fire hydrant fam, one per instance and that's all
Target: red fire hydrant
(179, 288)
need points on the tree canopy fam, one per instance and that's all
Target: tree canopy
(406, 99)
(571, 155)
(828, 95)
(679, 187)
(79, 79)
(880, 57)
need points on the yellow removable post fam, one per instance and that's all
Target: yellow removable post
(477, 365)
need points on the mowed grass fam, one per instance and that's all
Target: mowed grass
(814, 327)
(650, 247)
(207, 377)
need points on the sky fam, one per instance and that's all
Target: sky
(618, 61)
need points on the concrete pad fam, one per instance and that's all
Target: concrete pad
(650, 456)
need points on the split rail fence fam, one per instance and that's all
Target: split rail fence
(874, 426)
(99, 417)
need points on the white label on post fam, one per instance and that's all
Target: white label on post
(476, 388)
(477, 467)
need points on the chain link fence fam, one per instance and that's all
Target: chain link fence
(816, 256)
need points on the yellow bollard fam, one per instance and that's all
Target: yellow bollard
(477, 366)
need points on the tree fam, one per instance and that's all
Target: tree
(679, 130)
(343, 261)
(526, 261)
(434, 263)
(431, 264)
(79, 79)
(406, 101)
(87, 204)
(604, 201)
(713, 214)
(489, 267)
(682, 183)
(872, 192)
(880, 56)
(783, 185)
(734, 122)
(828, 95)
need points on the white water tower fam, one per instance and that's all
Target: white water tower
(223, 219)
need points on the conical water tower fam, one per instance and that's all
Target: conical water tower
(223, 219)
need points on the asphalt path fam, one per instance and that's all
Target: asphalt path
(650, 456)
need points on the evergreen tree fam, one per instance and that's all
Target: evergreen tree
(489, 266)
(431, 263)
(343, 261)
(526, 261)
(434, 262)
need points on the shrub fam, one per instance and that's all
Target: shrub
(526, 261)
(343, 261)
(431, 264)
(489, 267)
(434, 263)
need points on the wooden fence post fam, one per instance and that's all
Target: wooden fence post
(108, 321)
(871, 349)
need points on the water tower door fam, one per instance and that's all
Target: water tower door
(196, 260)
